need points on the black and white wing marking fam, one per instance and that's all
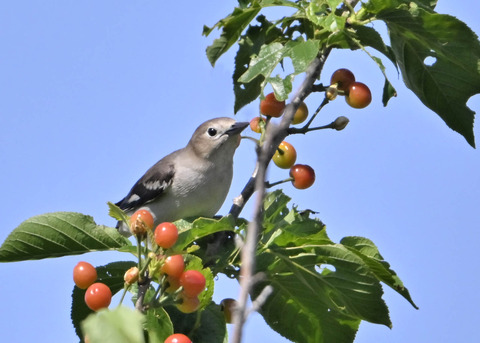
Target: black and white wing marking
(150, 186)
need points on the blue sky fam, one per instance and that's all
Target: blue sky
(93, 93)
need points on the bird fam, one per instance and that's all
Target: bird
(190, 182)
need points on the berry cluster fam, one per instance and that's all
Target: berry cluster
(179, 283)
(342, 82)
(97, 295)
(302, 176)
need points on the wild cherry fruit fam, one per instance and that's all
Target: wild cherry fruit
(84, 274)
(255, 124)
(131, 275)
(141, 222)
(177, 338)
(173, 266)
(303, 176)
(358, 95)
(301, 114)
(188, 304)
(285, 155)
(166, 235)
(193, 283)
(270, 106)
(98, 296)
(343, 78)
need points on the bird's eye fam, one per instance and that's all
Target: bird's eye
(212, 132)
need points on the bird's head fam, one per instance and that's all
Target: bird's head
(218, 137)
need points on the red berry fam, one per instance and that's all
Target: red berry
(193, 283)
(141, 222)
(358, 95)
(303, 176)
(98, 296)
(270, 106)
(285, 155)
(343, 78)
(166, 235)
(177, 338)
(84, 274)
(173, 266)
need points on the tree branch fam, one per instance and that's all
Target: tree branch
(273, 137)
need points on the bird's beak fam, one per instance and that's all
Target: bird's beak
(236, 128)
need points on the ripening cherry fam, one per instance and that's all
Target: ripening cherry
(358, 95)
(141, 222)
(131, 275)
(270, 106)
(301, 114)
(285, 155)
(255, 124)
(98, 296)
(303, 176)
(228, 307)
(84, 274)
(166, 235)
(177, 338)
(188, 304)
(173, 266)
(193, 283)
(343, 78)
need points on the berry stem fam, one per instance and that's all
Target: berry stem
(139, 253)
(306, 128)
(319, 88)
(273, 184)
(125, 290)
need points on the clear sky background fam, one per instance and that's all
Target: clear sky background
(92, 93)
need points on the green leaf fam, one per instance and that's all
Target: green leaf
(121, 325)
(388, 92)
(249, 45)
(281, 86)
(322, 13)
(189, 232)
(117, 213)
(321, 290)
(232, 27)
(368, 252)
(368, 36)
(59, 234)
(302, 53)
(111, 275)
(445, 85)
(212, 328)
(267, 60)
(158, 325)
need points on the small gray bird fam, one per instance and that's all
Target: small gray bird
(190, 182)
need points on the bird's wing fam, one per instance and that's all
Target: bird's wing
(150, 186)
